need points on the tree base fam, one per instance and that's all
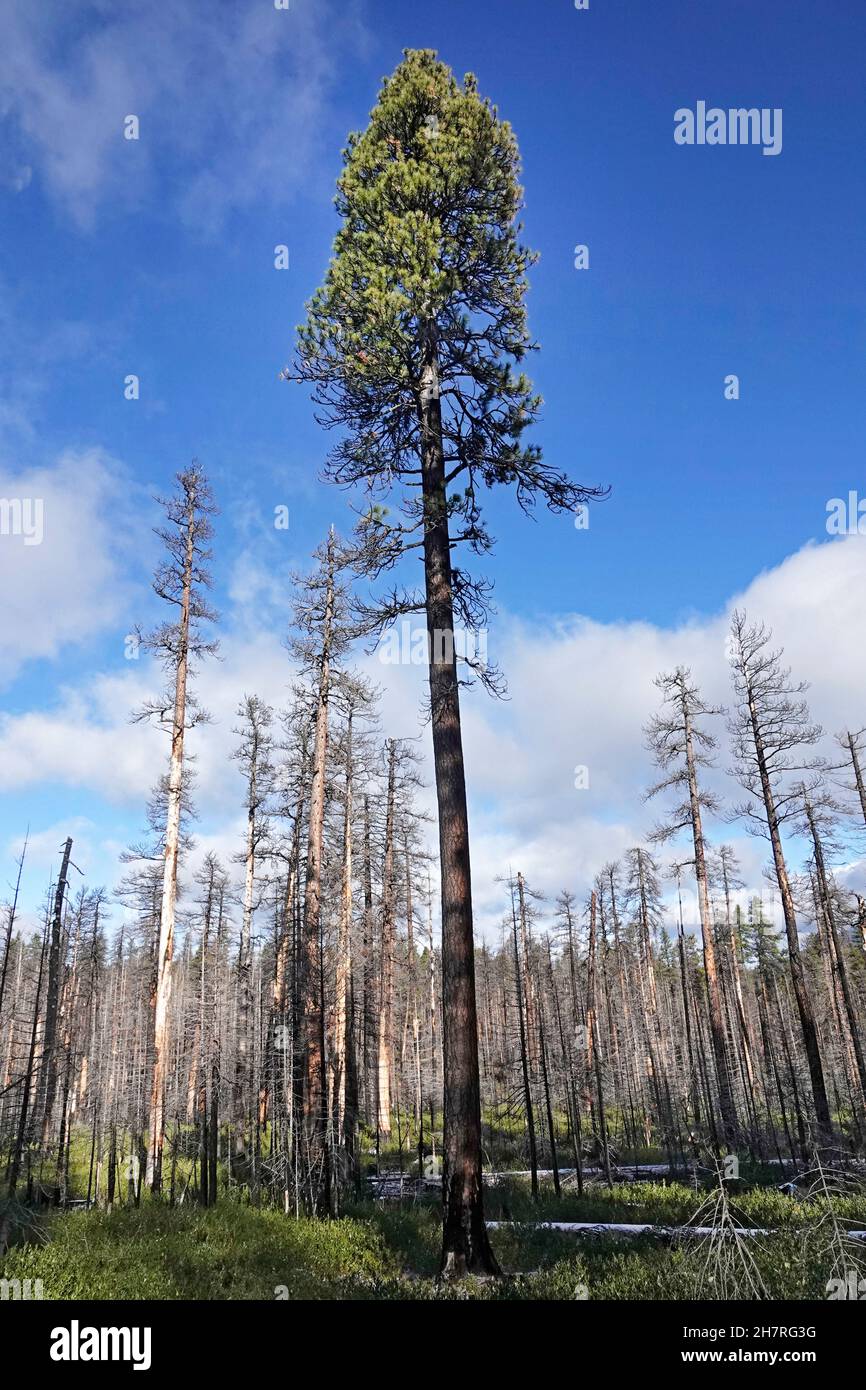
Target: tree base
(468, 1255)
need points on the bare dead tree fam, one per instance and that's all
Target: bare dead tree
(772, 734)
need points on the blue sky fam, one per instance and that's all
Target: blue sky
(155, 257)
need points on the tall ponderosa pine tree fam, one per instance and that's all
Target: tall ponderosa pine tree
(411, 344)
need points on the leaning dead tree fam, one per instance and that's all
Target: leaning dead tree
(772, 737)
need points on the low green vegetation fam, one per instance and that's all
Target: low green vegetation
(665, 1204)
(390, 1251)
(230, 1251)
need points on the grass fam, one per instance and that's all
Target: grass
(227, 1252)
(235, 1251)
(391, 1251)
(663, 1204)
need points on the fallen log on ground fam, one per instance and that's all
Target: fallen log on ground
(642, 1229)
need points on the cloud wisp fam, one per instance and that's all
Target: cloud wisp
(230, 101)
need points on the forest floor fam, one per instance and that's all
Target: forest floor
(381, 1250)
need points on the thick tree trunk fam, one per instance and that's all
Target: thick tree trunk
(465, 1242)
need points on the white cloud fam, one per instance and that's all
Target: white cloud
(44, 845)
(580, 692)
(83, 742)
(63, 562)
(231, 99)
